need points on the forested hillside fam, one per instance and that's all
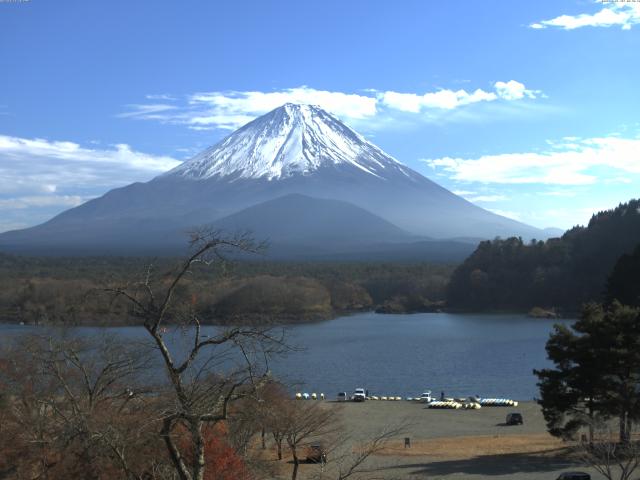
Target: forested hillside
(70, 290)
(562, 272)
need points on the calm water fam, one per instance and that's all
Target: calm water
(461, 354)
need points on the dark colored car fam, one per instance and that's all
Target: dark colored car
(316, 453)
(574, 476)
(514, 419)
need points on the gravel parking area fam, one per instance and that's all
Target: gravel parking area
(454, 444)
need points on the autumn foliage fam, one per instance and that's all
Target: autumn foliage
(222, 461)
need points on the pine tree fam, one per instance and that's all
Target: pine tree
(597, 372)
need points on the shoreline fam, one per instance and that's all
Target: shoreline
(288, 322)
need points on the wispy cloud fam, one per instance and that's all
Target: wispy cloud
(507, 213)
(441, 99)
(449, 99)
(559, 193)
(464, 193)
(231, 109)
(15, 150)
(39, 178)
(148, 111)
(161, 96)
(487, 198)
(568, 163)
(233, 104)
(41, 201)
(623, 14)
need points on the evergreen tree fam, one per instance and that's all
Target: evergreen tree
(624, 282)
(570, 393)
(596, 374)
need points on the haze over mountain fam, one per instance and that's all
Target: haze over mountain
(370, 198)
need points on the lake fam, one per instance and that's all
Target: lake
(403, 355)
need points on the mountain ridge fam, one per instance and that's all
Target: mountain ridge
(291, 150)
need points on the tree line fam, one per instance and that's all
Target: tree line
(562, 273)
(41, 290)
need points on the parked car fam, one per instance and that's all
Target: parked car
(359, 395)
(342, 396)
(574, 476)
(316, 453)
(514, 419)
(426, 397)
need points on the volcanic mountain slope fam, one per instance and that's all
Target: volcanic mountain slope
(294, 149)
(298, 219)
(299, 227)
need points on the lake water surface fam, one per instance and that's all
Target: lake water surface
(460, 354)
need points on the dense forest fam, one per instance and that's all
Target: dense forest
(561, 273)
(503, 274)
(49, 290)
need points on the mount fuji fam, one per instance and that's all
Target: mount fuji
(297, 176)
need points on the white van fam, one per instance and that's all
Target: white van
(426, 397)
(359, 395)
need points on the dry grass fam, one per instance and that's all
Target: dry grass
(475, 446)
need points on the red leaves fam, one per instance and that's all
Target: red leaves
(222, 461)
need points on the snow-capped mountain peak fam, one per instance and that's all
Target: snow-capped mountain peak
(291, 140)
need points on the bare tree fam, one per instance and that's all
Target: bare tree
(305, 423)
(23, 421)
(212, 371)
(353, 463)
(271, 414)
(613, 459)
(75, 409)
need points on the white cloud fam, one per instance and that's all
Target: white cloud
(15, 149)
(5, 225)
(232, 109)
(624, 14)
(450, 99)
(41, 201)
(624, 180)
(161, 96)
(148, 112)
(463, 193)
(513, 90)
(40, 178)
(443, 99)
(487, 198)
(559, 193)
(559, 166)
(567, 216)
(506, 213)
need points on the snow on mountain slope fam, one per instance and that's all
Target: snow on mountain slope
(290, 140)
(292, 150)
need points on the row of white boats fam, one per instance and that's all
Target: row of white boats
(309, 396)
(471, 403)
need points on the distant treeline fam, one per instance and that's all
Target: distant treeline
(561, 273)
(50, 290)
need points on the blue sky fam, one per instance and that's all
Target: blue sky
(529, 109)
